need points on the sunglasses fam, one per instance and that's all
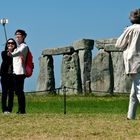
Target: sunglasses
(11, 43)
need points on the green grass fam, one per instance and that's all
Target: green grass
(87, 117)
(75, 104)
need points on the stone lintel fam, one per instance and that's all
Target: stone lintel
(58, 51)
(112, 48)
(83, 44)
(107, 45)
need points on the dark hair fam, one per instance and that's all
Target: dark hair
(134, 16)
(15, 44)
(22, 32)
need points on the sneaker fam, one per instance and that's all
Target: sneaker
(6, 112)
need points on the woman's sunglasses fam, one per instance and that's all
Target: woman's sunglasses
(11, 43)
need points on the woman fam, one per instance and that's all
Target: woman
(7, 77)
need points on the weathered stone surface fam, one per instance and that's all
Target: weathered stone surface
(80, 74)
(85, 57)
(107, 45)
(70, 74)
(101, 73)
(83, 44)
(58, 51)
(46, 81)
(122, 83)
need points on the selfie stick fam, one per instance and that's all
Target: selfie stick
(3, 22)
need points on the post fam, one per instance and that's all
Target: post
(3, 22)
(64, 100)
(5, 32)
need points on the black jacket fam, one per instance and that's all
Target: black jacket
(7, 64)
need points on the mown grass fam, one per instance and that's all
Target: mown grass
(77, 104)
(87, 117)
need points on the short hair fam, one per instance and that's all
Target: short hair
(134, 16)
(22, 32)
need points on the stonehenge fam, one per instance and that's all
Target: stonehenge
(83, 74)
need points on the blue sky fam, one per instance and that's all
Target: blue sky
(58, 23)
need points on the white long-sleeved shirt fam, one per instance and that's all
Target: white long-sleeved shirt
(19, 57)
(129, 42)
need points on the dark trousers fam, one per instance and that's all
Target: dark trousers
(7, 84)
(19, 91)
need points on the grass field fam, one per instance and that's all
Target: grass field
(86, 118)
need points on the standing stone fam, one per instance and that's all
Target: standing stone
(46, 81)
(70, 74)
(122, 82)
(85, 47)
(85, 57)
(101, 75)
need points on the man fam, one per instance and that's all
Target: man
(19, 57)
(129, 42)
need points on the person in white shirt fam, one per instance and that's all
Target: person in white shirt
(19, 57)
(129, 43)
